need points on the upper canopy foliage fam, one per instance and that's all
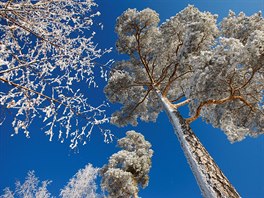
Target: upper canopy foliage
(218, 69)
(129, 168)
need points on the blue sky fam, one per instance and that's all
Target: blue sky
(170, 175)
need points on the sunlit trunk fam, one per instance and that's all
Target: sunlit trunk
(209, 177)
(135, 195)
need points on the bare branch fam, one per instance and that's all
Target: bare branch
(175, 100)
(176, 106)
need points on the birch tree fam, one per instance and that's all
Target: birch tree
(46, 51)
(129, 168)
(217, 71)
(82, 184)
(121, 177)
(31, 188)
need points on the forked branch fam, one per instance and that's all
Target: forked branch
(141, 101)
(218, 102)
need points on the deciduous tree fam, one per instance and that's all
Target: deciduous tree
(29, 189)
(82, 184)
(46, 50)
(121, 177)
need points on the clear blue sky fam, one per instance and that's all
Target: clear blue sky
(170, 175)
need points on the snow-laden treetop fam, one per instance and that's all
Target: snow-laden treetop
(217, 69)
(128, 169)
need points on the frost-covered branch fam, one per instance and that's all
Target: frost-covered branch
(234, 77)
(47, 59)
(31, 188)
(82, 184)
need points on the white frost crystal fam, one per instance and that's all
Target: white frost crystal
(129, 168)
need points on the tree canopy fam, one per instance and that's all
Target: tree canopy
(31, 188)
(126, 171)
(82, 184)
(129, 168)
(217, 69)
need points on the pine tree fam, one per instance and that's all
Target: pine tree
(129, 168)
(188, 60)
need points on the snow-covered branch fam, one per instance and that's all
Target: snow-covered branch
(46, 54)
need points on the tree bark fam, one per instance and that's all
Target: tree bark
(211, 180)
(135, 195)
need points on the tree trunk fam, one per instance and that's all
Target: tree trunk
(135, 195)
(208, 175)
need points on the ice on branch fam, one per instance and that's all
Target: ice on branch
(31, 188)
(46, 54)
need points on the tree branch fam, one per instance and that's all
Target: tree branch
(8, 3)
(40, 94)
(163, 74)
(137, 36)
(166, 89)
(176, 106)
(175, 100)
(28, 30)
(224, 100)
(248, 81)
(140, 102)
